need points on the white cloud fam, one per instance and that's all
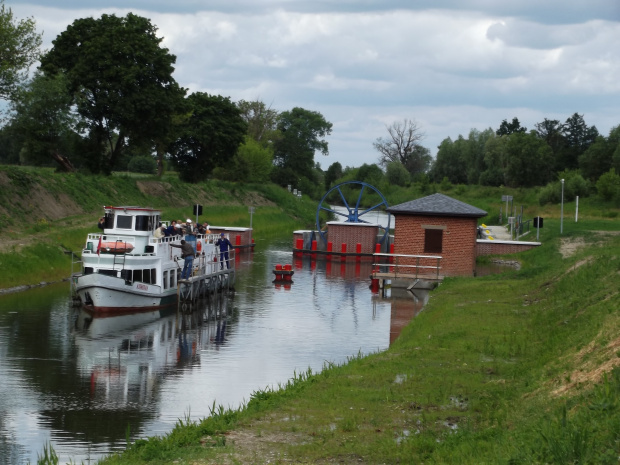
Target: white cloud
(451, 66)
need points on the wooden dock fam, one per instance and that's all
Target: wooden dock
(189, 290)
(408, 271)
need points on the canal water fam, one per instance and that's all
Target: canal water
(83, 383)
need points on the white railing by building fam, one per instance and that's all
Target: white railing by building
(401, 265)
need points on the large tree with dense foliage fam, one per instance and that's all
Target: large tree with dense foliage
(450, 162)
(506, 128)
(209, 138)
(601, 156)
(495, 161)
(120, 78)
(19, 49)
(529, 160)
(333, 173)
(302, 133)
(578, 136)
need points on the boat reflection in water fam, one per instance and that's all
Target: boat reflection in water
(124, 358)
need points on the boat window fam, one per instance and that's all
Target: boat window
(145, 223)
(153, 276)
(137, 275)
(165, 280)
(123, 222)
(172, 278)
(148, 276)
(108, 272)
(88, 270)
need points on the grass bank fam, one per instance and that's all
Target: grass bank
(511, 368)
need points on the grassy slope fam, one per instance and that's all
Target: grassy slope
(512, 368)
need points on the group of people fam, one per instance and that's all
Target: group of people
(180, 228)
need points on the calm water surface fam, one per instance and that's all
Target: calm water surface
(80, 382)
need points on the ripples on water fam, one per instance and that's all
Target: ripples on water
(79, 381)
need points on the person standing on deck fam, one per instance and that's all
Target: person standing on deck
(187, 253)
(170, 230)
(224, 245)
(160, 232)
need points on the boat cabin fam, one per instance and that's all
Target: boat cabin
(131, 220)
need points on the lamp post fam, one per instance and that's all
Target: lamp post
(562, 209)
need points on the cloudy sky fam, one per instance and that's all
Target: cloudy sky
(450, 65)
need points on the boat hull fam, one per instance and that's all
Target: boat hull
(102, 293)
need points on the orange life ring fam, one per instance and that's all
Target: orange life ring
(117, 247)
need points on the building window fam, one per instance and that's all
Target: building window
(433, 240)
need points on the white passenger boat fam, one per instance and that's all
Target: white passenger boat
(127, 269)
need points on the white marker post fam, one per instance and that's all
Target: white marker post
(576, 208)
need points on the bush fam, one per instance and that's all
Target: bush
(142, 165)
(608, 185)
(574, 185)
(551, 193)
(397, 174)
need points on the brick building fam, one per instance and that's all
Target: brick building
(438, 225)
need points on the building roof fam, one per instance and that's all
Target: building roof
(437, 205)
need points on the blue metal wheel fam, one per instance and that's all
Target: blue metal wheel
(353, 213)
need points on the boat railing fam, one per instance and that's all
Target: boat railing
(209, 262)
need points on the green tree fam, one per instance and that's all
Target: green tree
(261, 120)
(495, 161)
(419, 162)
(333, 173)
(255, 160)
(121, 82)
(371, 174)
(44, 122)
(506, 128)
(578, 137)
(302, 133)
(552, 132)
(397, 174)
(529, 160)
(142, 164)
(614, 142)
(209, 138)
(608, 185)
(473, 153)
(450, 162)
(9, 146)
(597, 159)
(19, 49)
